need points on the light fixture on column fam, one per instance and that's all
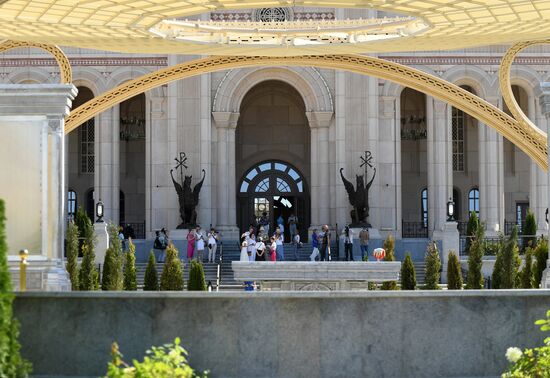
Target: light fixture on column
(450, 210)
(99, 211)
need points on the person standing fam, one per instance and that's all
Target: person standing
(364, 242)
(260, 250)
(325, 242)
(244, 251)
(297, 244)
(273, 249)
(347, 234)
(292, 225)
(251, 241)
(190, 244)
(314, 245)
(281, 226)
(212, 245)
(280, 247)
(264, 222)
(159, 245)
(200, 244)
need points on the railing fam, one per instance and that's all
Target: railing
(462, 227)
(414, 230)
(139, 230)
(491, 244)
(509, 226)
(219, 271)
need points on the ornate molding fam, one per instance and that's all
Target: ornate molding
(91, 61)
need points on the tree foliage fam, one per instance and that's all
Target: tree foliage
(497, 268)
(526, 274)
(72, 254)
(541, 255)
(172, 273)
(475, 259)
(408, 274)
(433, 267)
(510, 261)
(130, 280)
(151, 281)
(530, 231)
(85, 229)
(389, 247)
(11, 362)
(88, 276)
(471, 229)
(454, 273)
(196, 281)
(112, 279)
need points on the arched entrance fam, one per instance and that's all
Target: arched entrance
(278, 189)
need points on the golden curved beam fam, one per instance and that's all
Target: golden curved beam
(65, 71)
(506, 84)
(531, 140)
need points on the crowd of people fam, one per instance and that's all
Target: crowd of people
(197, 242)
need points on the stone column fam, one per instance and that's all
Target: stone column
(226, 124)
(544, 100)
(440, 179)
(491, 178)
(319, 122)
(32, 172)
(538, 193)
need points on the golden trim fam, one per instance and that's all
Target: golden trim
(531, 140)
(65, 71)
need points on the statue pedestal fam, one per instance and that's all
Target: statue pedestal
(102, 242)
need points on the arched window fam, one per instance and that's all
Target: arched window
(71, 204)
(86, 133)
(424, 206)
(473, 201)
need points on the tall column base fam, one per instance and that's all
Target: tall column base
(42, 276)
(450, 240)
(102, 242)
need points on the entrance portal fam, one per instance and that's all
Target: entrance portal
(274, 190)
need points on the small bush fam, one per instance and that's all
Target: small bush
(497, 268)
(454, 274)
(510, 262)
(389, 247)
(530, 230)
(112, 279)
(169, 360)
(85, 229)
(408, 275)
(471, 229)
(196, 277)
(151, 281)
(130, 280)
(526, 275)
(88, 277)
(72, 254)
(172, 273)
(541, 255)
(475, 259)
(433, 267)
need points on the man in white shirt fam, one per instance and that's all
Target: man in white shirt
(279, 242)
(212, 245)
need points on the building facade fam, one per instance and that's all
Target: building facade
(274, 139)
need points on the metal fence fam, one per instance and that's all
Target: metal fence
(491, 244)
(413, 230)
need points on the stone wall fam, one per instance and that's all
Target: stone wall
(375, 334)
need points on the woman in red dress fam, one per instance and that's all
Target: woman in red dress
(273, 250)
(190, 244)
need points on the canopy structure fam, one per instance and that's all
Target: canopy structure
(147, 26)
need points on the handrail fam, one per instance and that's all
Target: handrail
(219, 272)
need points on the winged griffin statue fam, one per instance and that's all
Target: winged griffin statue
(359, 198)
(188, 198)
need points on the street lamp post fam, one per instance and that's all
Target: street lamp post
(23, 255)
(99, 211)
(450, 210)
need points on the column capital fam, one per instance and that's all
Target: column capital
(543, 93)
(36, 99)
(225, 119)
(439, 107)
(318, 119)
(55, 124)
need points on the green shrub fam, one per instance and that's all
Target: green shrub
(526, 274)
(408, 275)
(11, 362)
(389, 247)
(433, 267)
(371, 286)
(475, 259)
(497, 268)
(130, 280)
(112, 279)
(531, 362)
(172, 273)
(85, 229)
(510, 262)
(169, 360)
(454, 274)
(196, 277)
(88, 277)
(541, 255)
(530, 230)
(151, 281)
(471, 229)
(72, 254)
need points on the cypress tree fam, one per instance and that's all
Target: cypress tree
(151, 282)
(471, 229)
(433, 267)
(454, 274)
(130, 281)
(11, 362)
(85, 228)
(530, 230)
(408, 275)
(541, 255)
(112, 267)
(196, 281)
(526, 274)
(172, 272)
(389, 247)
(475, 260)
(510, 261)
(87, 275)
(497, 268)
(72, 254)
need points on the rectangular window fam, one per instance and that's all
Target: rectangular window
(87, 137)
(458, 123)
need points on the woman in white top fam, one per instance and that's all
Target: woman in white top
(212, 245)
(260, 250)
(251, 241)
(244, 251)
(200, 246)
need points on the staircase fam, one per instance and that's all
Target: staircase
(420, 269)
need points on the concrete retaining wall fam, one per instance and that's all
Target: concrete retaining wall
(373, 334)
